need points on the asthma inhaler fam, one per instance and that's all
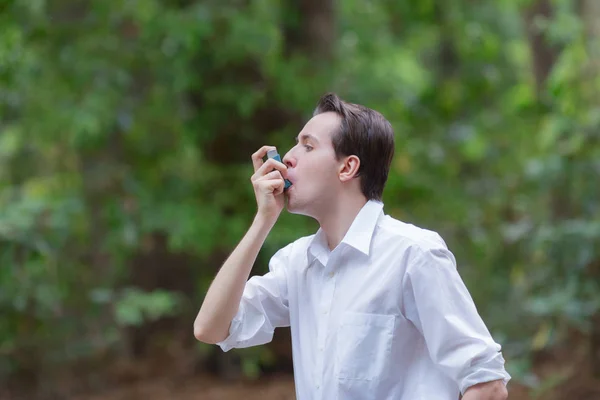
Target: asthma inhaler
(275, 155)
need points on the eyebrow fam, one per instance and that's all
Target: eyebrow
(306, 136)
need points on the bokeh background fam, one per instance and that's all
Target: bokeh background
(126, 130)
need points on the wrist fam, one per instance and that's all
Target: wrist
(263, 221)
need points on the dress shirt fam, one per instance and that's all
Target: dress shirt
(385, 315)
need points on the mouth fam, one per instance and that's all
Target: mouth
(289, 183)
(289, 187)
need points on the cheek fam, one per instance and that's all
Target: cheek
(319, 168)
(321, 176)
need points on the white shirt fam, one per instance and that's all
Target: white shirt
(385, 315)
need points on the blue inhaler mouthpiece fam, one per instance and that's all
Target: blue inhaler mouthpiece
(275, 155)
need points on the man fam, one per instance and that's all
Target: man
(376, 307)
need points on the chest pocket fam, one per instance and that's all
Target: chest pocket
(364, 343)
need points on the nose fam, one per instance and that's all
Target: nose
(289, 160)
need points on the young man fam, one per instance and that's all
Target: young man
(376, 307)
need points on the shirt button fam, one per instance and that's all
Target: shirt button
(331, 274)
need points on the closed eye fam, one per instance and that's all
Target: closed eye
(308, 147)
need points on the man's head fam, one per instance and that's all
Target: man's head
(344, 150)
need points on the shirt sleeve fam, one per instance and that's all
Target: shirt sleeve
(437, 301)
(263, 307)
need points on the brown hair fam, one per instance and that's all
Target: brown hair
(366, 134)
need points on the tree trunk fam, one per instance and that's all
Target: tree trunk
(448, 61)
(543, 54)
(590, 10)
(310, 29)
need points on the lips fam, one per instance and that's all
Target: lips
(291, 179)
(291, 184)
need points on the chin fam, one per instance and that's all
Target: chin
(298, 208)
(293, 206)
(290, 207)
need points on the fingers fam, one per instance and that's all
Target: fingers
(257, 158)
(267, 167)
(269, 175)
(272, 175)
(269, 178)
(275, 185)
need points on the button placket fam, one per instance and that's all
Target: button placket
(325, 307)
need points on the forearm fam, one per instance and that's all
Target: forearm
(224, 294)
(494, 390)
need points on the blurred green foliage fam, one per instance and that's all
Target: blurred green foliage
(124, 119)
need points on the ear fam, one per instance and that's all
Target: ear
(349, 168)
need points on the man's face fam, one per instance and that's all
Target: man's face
(312, 167)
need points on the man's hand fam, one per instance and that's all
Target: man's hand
(268, 184)
(494, 390)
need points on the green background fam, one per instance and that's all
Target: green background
(126, 129)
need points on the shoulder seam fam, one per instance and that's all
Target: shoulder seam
(412, 240)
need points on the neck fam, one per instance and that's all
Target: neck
(337, 219)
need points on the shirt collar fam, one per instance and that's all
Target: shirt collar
(318, 249)
(359, 236)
